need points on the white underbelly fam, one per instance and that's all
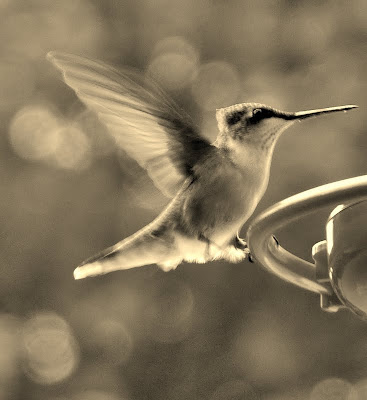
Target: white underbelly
(200, 251)
(224, 211)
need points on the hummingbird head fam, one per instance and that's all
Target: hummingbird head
(258, 125)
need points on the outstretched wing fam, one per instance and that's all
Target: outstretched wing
(142, 119)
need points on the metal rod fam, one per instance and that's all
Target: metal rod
(278, 260)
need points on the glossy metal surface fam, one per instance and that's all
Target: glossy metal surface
(347, 255)
(279, 261)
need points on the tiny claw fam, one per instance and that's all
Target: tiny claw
(240, 243)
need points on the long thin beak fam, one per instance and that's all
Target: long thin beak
(314, 113)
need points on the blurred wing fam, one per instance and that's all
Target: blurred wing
(142, 119)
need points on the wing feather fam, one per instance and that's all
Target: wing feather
(145, 123)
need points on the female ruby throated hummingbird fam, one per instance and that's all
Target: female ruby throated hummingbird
(214, 187)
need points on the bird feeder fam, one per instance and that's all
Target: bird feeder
(339, 270)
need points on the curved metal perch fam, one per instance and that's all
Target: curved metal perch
(279, 261)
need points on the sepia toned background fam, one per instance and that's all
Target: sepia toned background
(203, 332)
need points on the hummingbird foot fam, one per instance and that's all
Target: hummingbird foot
(240, 244)
(234, 254)
(237, 251)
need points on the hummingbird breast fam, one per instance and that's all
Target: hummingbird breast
(220, 200)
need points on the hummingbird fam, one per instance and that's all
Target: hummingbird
(214, 187)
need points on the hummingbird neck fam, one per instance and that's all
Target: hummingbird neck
(253, 161)
(246, 155)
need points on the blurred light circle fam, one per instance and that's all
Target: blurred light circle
(74, 149)
(177, 45)
(331, 389)
(50, 352)
(37, 134)
(235, 390)
(34, 132)
(174, 63)
(172, 71)
(169, 315)
(359, 391)
(216, 85)
(113, 340)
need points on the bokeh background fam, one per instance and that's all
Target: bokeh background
(208, 332)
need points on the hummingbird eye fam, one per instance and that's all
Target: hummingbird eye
(235, 117)
(258, 114)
